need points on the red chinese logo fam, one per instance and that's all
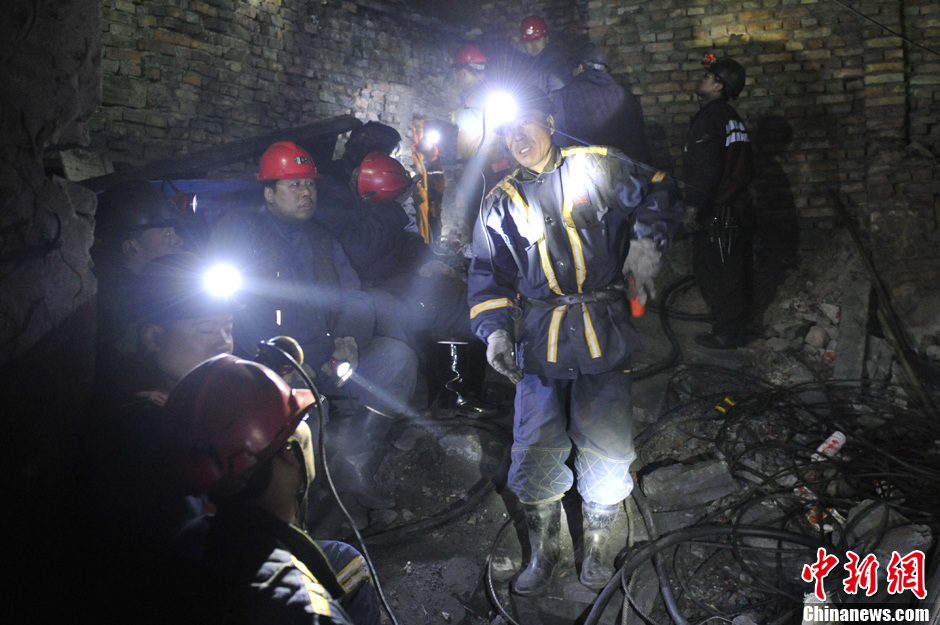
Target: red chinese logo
(907, 573)
(904, 573)
(817, 572)
(862, 574)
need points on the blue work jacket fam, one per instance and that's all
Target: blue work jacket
(562, 232)
(297, 282)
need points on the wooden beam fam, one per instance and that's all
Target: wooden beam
(318, 138)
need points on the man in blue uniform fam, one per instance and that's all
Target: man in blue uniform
(552, 242)
(719, 165)
(299, 283)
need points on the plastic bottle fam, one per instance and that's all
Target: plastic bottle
(829, 447)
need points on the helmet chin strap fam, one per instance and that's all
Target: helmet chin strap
(301, 444)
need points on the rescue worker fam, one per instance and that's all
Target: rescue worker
(373, 230)
(180, 325)
(299, 282)
(592, 109)
(480, 160)
(719, 166)
(415, 294)
(134, 223)
(540, 62)
(235, 431)
(425, 154)
(126, 510)
(360, 231)
(366, 214)
(432, 303)
(557, 232)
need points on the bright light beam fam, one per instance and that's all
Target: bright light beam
(500, 108)
(343, 370)
(222, 280)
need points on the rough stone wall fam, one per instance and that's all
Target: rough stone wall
(182, 75)
(835, 104)
(46, 222)
(46, 286)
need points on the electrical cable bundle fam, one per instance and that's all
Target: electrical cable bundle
(745, 554)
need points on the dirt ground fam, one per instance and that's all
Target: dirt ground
(447, 552)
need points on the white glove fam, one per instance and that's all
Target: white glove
(502, 357)
(642, 264)
(344, 349)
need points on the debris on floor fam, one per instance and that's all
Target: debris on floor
(731, 503)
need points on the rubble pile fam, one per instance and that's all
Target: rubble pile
(830, 465)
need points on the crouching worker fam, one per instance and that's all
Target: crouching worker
(235, 431)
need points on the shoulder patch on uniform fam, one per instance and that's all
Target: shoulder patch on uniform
(659, 176)
(735, 132)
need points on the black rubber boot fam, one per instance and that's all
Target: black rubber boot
(596, 569)
(543, 521)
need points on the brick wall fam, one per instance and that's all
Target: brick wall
(181, 75)
(835, 104)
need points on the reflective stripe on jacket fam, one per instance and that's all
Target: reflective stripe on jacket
(567, 231)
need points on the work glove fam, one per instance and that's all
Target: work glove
(344, 349)
(501, 356)
(642, 265)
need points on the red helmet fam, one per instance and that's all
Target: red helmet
(470, 55)
(532, 28)
(286, 161)
(382, 178)
(227, 417)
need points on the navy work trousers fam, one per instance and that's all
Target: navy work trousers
(594, 414)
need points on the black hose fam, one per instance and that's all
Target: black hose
(490, 588)
(684, 535)
(475, 496)
(669, 597)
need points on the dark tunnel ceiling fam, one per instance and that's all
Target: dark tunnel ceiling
(462, 12)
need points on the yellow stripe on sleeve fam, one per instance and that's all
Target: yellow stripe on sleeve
(353, 574)
(490, 304)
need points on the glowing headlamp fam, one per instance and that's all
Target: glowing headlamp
(501, 108)
(432, 137)
(222, 280)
